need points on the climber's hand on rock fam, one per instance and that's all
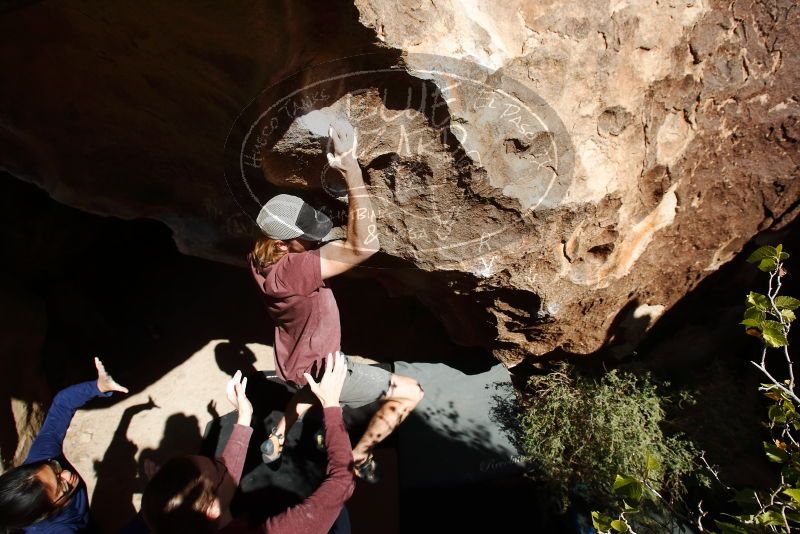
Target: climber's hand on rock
(343, 145)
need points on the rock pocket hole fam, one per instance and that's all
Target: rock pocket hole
(601, 253)
(516, 146)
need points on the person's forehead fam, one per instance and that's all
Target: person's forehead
(47, 476)
(46, 472)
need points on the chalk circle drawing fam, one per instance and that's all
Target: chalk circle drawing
(498, 140)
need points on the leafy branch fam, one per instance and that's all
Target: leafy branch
(768, 317)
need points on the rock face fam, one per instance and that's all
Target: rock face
(548, 175)
(22, 339)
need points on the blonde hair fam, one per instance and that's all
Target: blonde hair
(266, 251)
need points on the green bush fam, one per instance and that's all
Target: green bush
(579, 432)
(768, 317)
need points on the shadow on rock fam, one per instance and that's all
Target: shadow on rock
(117, 475)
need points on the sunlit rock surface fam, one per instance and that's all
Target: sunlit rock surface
(542, 171)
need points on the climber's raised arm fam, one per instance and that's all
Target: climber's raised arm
(362, 232)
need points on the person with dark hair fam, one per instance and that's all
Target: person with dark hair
(291, 267)
(192, 494)
(45, 493)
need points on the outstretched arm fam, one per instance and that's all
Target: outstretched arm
(50, 440)
(235, 451)
(362, 232)
(319, 511)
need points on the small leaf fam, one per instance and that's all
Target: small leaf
(775, 453)
(627, 508)
(787, 303)
(753, 317)
(752, 323)
(788, 315)
(601, 522)
(619, 526)
(753, 312)
(761, 302)
(767, 265)
(773, 334)
(762, 253)
(652, 463)
(776, 414)
(770, 517)
(794, 493)
(622, 481)
(628, 488)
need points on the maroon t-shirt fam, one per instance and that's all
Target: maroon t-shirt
(304, 311)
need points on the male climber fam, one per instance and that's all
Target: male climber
(290, 267)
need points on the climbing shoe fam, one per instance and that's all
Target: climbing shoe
(367, 470)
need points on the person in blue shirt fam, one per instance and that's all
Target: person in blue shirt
(45, 493)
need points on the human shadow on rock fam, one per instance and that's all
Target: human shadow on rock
(181, 436)
(116, 475)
